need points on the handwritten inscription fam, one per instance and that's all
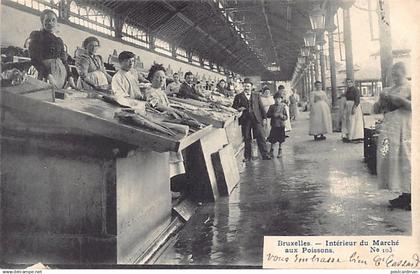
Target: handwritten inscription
(353, 252)
(297, 258)
(379, 260)
(356, 259)
(392, 261)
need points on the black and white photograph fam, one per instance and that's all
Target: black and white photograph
(178, 134)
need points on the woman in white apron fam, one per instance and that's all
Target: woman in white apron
(320, 121)
(48, 54)
(89, 65)
(394, 142)
(352, 123)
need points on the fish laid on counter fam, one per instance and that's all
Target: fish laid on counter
(221, 101)
(178, 117)
(135, 119)
(223, 108)
(183, 107)
(191, 122)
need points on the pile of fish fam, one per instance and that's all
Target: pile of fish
(178, 116)
(134, 119)
(174, 120)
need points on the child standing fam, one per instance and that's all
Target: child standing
(278, 114)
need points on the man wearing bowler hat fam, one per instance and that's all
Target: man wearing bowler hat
(253, 117)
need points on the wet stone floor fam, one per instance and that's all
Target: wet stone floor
(315, 188)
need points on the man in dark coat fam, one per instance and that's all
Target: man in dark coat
(187, 89)
(253, 117)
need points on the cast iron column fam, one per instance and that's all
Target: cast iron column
(305, 76)
(307, 83)
(322, 63)
(301, 86)
(385, 41)
(347, 38)
(312, 71)
(331, 51)
(316, 65)
(118, 23)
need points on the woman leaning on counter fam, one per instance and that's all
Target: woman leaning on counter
(155, 94)
(156, 97)
(47, 53)
(91, 69)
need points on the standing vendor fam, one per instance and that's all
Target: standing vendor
(352, 124)
(125, 83)
(394, 141)
(293, 107)
(47, 53)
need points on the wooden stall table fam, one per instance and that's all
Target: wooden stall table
(204, 182)
(77, 185)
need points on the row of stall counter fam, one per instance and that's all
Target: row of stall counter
(78, 186)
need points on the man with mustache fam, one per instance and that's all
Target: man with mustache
(253, 118)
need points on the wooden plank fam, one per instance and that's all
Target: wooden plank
(185, 209)
(43, 95)
(30, 85)
(226, 170)
(199, 166)
(192, 138)
(56, 114)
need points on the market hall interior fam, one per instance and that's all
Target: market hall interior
(128, 145)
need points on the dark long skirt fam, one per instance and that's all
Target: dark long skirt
(277, 134)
